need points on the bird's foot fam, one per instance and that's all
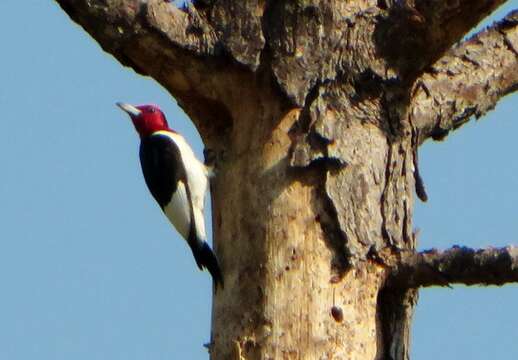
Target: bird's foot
(211, 159)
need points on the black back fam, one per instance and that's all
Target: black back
(162, 167)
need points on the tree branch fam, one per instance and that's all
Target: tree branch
(468, 81)
(119, 25)
(177, 47)
(460, 265)
(417, 32)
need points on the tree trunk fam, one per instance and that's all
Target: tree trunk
(298, 236)
(311, 109)
(298, 229)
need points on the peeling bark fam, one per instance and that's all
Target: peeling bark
(310, 109)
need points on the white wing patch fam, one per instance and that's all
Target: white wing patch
(178, 211)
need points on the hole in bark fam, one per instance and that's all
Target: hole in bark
(337, 313)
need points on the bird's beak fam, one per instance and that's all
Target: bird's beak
(130, 109)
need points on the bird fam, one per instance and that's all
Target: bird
(176, 179)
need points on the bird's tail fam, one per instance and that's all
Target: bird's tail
(205, 258)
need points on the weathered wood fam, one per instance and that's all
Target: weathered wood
(415, 33)
(468, 81)
(458, 265)
(309, 116)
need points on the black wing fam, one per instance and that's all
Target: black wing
(162, 167)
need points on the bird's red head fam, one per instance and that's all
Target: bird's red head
(146, 118)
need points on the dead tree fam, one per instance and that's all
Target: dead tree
(315, 110)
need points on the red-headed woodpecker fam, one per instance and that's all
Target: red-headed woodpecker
(176, 179)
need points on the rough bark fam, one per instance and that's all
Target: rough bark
(307, 113)
(468, 81)
(420, 31)
(458, 265)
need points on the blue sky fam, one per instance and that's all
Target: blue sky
(89, 267)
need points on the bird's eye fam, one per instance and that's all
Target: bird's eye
(152, 110)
